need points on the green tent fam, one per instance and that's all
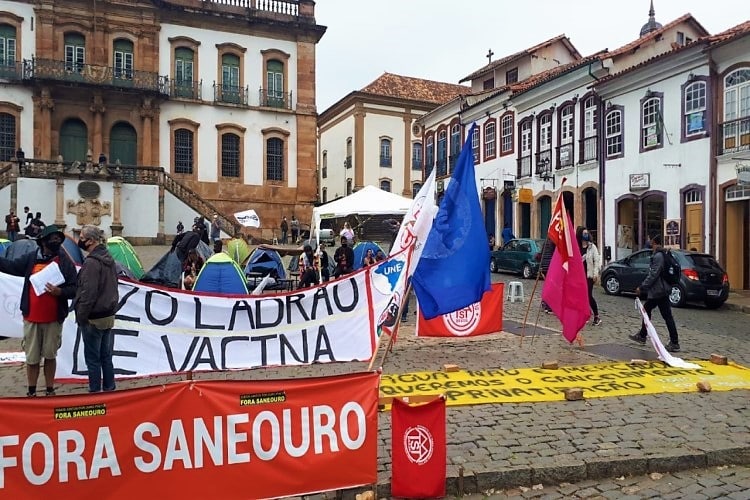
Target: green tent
(238, 250)
(122, 251)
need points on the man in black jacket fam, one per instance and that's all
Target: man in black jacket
(95, 305)
(657, 295)
(43, 314)
(344, 258)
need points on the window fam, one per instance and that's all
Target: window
(348, 187)
(694, 95)
(7, 46)
(526, 138)
(123, 59)
(275, 84)
(566, 127)
(455, 145)
(325, 195)
(511, 76)
(488, 84)
(230, 78)
(442, 153)
(736, 126)
(651, 122)
(490, 143)
(324, 168)
(415, 189)
(75, 52)
(183, 72)
(416, 156)
(385, 153)
(230, 155)
(524, 151)
(614, 132)
(475, 145)
(544, 144)
(183, 151)
(506, 133)
(588, 132)
(7, 136)
(680, 38)
(348, 159)
(385, 185)
(693, 196)
(275, 159)
(429, 155)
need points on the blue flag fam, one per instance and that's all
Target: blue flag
(453, 271)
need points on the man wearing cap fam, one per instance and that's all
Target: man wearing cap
(43, 315)
(95, 305)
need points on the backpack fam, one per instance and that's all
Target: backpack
(671, 271)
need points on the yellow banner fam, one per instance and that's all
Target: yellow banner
(526, 385)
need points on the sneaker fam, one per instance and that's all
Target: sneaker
(50, 392)
(31, 394)
(597, 321)
(673, 347)
(636, 337)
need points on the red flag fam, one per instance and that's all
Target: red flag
(485, 316)
(418, 449)
(565, 289)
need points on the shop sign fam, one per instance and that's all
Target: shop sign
(525, 195)
(640, 181)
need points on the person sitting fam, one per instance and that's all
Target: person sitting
(369, 258)
(344, 258)
(347, 232)
(380, 256)
(191, 267)
(325, 270)
(308, 268)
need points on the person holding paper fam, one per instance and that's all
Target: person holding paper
(43, 312)
(95, 305)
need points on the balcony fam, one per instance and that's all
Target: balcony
(442, 167)
(452, 159)
(12, 71)
(273, 99)
(386, 161)
(185, 89)
(230, 94)
(544, 159)
(735, 136)
(92, 74)
(565, 155)
(588, 147)
(524, 166)
(416, 163)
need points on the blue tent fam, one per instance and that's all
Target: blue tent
(360, 250)
(70, 247)
(221, 274)
(264, 261)
(3, 245)
(20, 247)
(168, 270)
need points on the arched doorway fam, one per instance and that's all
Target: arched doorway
(591, 212)
(653, 217)
(489, 198)
(508, 208)
(74, 140)
(545, 214)
(569, 201)
(627, 227)
(737, 236)
(123, 144)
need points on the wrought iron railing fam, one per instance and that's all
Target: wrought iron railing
(588, 148)
(442, 167)
(524, 166)
(386, 161)
(452, 159)
(12, 71)
(272, 99)
(735, 135)
(231, 94)
(92, 74)
(416, 164)
(185, 89)
(565, 155)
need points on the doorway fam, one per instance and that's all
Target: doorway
(653, 217)
(591, 212)
(123, 144)
(545, 214)
(525, 220)
(74, 140)
(508, 208)
(694, 220)
(489, 216)
(569, 201)
(737, 236)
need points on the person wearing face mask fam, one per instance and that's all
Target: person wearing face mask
(43, 314)
(95, 305)
(592, 264)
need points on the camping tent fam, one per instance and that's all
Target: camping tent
(238, 250)
(3, 245)
(367, 201)
(168, 270)
(122, 251)
(20, 247)
(264, 261)
(70, 247)
(221, 274)
(360, 250)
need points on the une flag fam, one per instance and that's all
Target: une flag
(565, 289)
(453, 271)
(480, 318)
(418, 449)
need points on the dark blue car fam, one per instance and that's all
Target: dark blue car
(521, 255)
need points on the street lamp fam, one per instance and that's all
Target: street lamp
(545, 172)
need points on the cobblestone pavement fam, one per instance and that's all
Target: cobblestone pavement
(588, 443)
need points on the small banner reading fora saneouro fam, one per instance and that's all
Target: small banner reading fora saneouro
(96, 410)
(262, 398)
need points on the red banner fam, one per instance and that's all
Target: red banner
(206, 439)
(418, 449)
(480, 318)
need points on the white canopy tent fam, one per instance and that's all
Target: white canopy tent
(367, 201)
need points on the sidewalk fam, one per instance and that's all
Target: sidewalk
(738, 301)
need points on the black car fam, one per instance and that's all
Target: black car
(702, 280)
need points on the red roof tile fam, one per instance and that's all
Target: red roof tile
(638, 42)
(418, 89)
(731, 33)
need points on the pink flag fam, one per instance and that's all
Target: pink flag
(565, 289)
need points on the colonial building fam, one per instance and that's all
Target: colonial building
(370, 136)
(152, 112)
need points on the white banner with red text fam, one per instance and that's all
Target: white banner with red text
(480, 318)
(207, 439)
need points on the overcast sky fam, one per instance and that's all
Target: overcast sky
(445, 40)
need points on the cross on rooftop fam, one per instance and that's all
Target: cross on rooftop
(489, 56)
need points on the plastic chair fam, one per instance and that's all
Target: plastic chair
(515, 291)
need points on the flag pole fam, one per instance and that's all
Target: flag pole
(391, 340)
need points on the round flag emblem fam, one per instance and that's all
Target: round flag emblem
(418, 444)
(464, 321)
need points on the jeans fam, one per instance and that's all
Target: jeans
(12, 235)
(665, 309)
(97, 351)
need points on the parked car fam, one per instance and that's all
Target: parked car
(702, 280)
(521, 255)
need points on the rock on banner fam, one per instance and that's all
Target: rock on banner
(207, 439)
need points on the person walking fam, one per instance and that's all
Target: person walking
(295, 229)
(284, 230)
(95, 305)
(657, 295)
(44, 313)
(592, 265)
(11, 225)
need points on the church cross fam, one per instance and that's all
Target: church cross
(489, 56)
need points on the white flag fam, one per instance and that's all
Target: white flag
(663, 354)
(248, 218)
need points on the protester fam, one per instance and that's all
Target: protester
(215, 229)
(36, 226)
(191, 267)
(95, 306)
(380, 256)
(393, 226)
(11, 225)
(308, 268)
(657, 295)
(507, 234)
(369, 258)
(648, 242)
(492, 242)
(284, 230)
(218, 246)
(344, 258)
(592, 265)
(43, 315)
(29, 218)
(325, 270)
(180, 227)
(183, 243)
(295, 230)
(347, 232)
